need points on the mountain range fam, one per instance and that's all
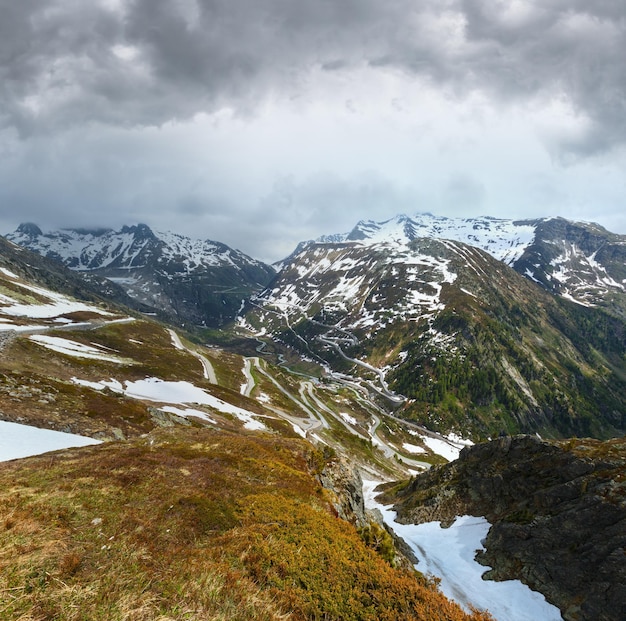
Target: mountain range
(578, 260)
(483, 326)
(186, 281)
(244, 421)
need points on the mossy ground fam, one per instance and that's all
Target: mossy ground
(191, 524)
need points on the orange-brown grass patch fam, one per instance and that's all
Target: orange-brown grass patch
(47, 402)
(192, 524)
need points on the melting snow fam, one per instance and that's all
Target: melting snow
(18, 441)
(448, 446)
(349, 419)
(58, 304)
(154, 389)
(441, 447)
(9, 273)
(187, 412)
(448, 553)
(73, 348)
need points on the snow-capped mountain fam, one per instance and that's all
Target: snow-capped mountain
(457, 330)
(580, 261)
(506, 240)
(196, 281)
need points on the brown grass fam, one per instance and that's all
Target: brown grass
(190, 524)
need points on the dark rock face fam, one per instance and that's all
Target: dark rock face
(558, 513)
(345, 486)
(29, 229)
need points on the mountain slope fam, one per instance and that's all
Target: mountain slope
(189, 281)
(193, 525)
(92, 368)
(558, 515)
(205, 500)
(578, 260)
(473, 345)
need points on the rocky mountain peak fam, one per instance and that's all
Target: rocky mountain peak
(140, 232)
(29, 229)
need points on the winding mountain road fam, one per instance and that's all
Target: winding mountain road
(209, 371)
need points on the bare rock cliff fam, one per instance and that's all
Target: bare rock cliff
(558, 515)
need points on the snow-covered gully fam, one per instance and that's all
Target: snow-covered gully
(448, 554)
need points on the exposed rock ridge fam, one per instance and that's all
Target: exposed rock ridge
(558, 513)
(345, 487)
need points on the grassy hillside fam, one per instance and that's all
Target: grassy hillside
(192, 524)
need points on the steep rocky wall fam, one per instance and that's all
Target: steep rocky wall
(558, 513)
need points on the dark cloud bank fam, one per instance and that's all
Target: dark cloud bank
(81, 81)
(150, 61)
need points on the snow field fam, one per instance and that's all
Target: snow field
(448, 553)
(17, 441)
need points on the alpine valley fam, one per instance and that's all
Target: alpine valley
(237, 414)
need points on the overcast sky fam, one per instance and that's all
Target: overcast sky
(261, 123)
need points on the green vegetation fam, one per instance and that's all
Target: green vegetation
(560, 374)
(193, 524)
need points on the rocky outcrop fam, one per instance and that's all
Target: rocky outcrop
(345, 487)
(558, 515)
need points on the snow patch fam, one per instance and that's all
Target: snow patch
(154, 389)
(349, 419)
(73, 348)
(187, 412)
(17, 441)
(448, 553)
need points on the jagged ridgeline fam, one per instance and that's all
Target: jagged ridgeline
(485, 325)
(189, 282)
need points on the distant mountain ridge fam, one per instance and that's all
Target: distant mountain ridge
(506, 240)
(200, 282)
(579, 260)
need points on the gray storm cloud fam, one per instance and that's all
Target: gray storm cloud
(261, 123)
(147, 62)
